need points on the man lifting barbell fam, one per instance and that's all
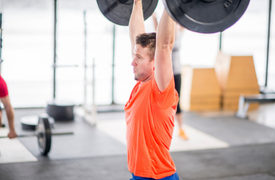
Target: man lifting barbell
(5, 99)
(151, 108)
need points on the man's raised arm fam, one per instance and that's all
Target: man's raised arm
(164, 45)
(136, 24)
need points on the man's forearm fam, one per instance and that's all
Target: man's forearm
(136, 24)
(10, 116)
(166, 31)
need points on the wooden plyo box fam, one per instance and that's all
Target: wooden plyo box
(236, 75)
(200, 89)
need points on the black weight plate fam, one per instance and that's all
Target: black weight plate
(44, 135)
(119, 11)
(205, 16)
(60, 110)
(30, 122)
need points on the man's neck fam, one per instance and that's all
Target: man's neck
(148, 78)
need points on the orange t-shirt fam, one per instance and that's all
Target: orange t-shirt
(150, 124)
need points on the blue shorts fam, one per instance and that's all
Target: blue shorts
(172, 177)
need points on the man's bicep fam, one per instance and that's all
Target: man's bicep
(163, 71)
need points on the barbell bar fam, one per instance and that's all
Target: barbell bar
(44, 135)
(203, 16)
(33, 135)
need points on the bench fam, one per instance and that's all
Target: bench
(245, 100)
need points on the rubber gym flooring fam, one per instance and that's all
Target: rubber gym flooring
(240, 150)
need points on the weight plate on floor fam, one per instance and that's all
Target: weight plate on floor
(30, 122)
(206, 16)
(44, 135)
(119, 11)
(60, 110)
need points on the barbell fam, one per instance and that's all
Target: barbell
(203, 16)
(44, 135)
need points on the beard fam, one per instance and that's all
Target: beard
(136, 77)
(141, 76)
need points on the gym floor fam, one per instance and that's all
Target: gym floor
(221, 147)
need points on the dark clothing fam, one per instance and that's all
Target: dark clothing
(177, 79)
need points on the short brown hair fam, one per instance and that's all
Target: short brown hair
(147, 40)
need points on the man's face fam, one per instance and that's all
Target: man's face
(142, 66)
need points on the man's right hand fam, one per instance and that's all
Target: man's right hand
(12, 134)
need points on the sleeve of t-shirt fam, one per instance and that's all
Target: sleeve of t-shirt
(3, 88)
(166, 98)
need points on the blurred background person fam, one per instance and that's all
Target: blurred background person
(5, 99)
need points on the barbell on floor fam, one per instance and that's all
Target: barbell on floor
(44, 135)
(203, 16)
